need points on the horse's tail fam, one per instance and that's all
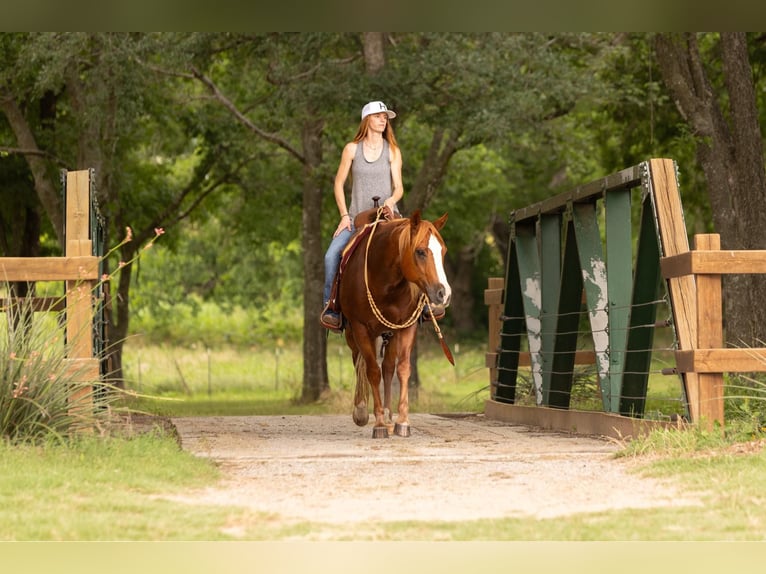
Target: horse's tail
(362, 393)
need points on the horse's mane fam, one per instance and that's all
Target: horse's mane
(404, 238)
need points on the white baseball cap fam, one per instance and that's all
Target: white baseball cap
(376, 108)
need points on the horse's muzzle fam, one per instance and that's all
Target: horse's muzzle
(440, 295)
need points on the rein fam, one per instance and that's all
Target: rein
(376, 311)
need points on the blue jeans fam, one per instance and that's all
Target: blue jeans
(332, 260)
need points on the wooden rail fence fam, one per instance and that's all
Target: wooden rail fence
(79, 269)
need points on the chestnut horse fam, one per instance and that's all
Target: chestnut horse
(396, 268)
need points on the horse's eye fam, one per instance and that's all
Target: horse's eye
(420, 253)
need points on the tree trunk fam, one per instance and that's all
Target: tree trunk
(461, 279)
(730, 153)
(374, 53)
(44, 181)
(315, 379)
(432, 172)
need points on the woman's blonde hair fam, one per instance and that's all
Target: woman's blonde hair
(388, 133)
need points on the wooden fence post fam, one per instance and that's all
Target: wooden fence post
(79, 293)
(493, 297)
(709, 335)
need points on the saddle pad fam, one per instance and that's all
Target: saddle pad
(352, 244)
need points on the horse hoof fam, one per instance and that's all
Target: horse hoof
(402, 429)
(379, 432)
(361, 415)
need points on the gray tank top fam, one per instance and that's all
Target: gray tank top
(369, 178)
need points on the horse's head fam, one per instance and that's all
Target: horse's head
(423, 259)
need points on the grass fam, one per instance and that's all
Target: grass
(94, 488)
(114, 489)
(266, 380)
(262, 380)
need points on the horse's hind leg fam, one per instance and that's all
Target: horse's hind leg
(361, 415)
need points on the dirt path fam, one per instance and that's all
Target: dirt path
(325, 469)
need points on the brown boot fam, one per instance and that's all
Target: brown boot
(331, 320)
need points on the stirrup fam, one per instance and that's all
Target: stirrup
(326, 319)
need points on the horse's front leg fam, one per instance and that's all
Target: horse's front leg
(374, 376)
(403, 370)
(388, 366)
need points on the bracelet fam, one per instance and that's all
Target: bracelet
(345, 215)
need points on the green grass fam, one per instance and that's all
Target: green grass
(97, 488)
(261, 380)
(104, 489)
(109, 489)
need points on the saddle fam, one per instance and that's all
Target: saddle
(363, 223)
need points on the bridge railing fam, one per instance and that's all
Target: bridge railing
(594, 252)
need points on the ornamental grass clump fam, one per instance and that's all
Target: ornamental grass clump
(42, 396)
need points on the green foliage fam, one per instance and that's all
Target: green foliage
(198, 322)
(41, 398)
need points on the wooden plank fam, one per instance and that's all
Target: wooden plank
(79, 325)
(722, 360)
(709, 334)
(77, 209)
(37, 303)
(83, 370)
(728, 262)
(495, 325)
(592, 423)
(704, 262)
(493, 296)
(676, 265)
(674, 241)
(496, 282)
(79, 247)
(48, 268)
(79, 304)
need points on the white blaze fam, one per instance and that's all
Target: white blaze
(436, 249)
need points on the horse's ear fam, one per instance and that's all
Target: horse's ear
(415, 218)
(439, 223)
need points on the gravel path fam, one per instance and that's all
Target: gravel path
(452, 468)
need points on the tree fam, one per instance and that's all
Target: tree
(88, 100)
(299, 82)
(498, 94)
(711, 81)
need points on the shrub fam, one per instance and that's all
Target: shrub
(41, 395)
